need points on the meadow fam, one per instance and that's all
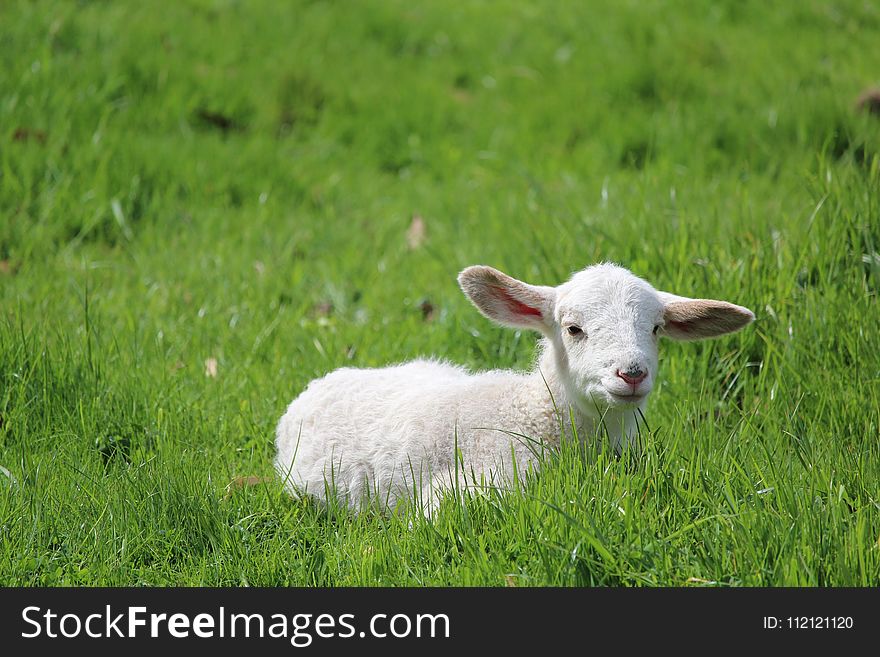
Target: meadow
(206, 204)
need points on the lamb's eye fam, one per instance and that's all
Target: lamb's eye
(656, 328)
(574, 330)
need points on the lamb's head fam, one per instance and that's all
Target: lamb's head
(603, 325)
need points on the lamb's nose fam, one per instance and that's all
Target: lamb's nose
(633, 375)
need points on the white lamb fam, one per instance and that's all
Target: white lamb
(412, 431)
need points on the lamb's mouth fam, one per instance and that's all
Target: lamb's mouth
(596, 402)
(632, 398)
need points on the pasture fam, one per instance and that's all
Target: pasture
(204, 205)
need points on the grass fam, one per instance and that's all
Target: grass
(217, 187)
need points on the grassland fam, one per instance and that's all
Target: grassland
(205, 204)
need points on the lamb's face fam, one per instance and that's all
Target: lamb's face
(607, 323)
(603, 325)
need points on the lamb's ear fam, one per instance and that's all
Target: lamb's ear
(508, 301)
(696, 319)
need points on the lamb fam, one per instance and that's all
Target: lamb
(413, 431)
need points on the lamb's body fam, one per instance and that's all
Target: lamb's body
(367, 434)
(404, 432)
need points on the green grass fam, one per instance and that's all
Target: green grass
(234, 181)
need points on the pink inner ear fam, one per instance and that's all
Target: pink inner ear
(515, 306)
(684, 327)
